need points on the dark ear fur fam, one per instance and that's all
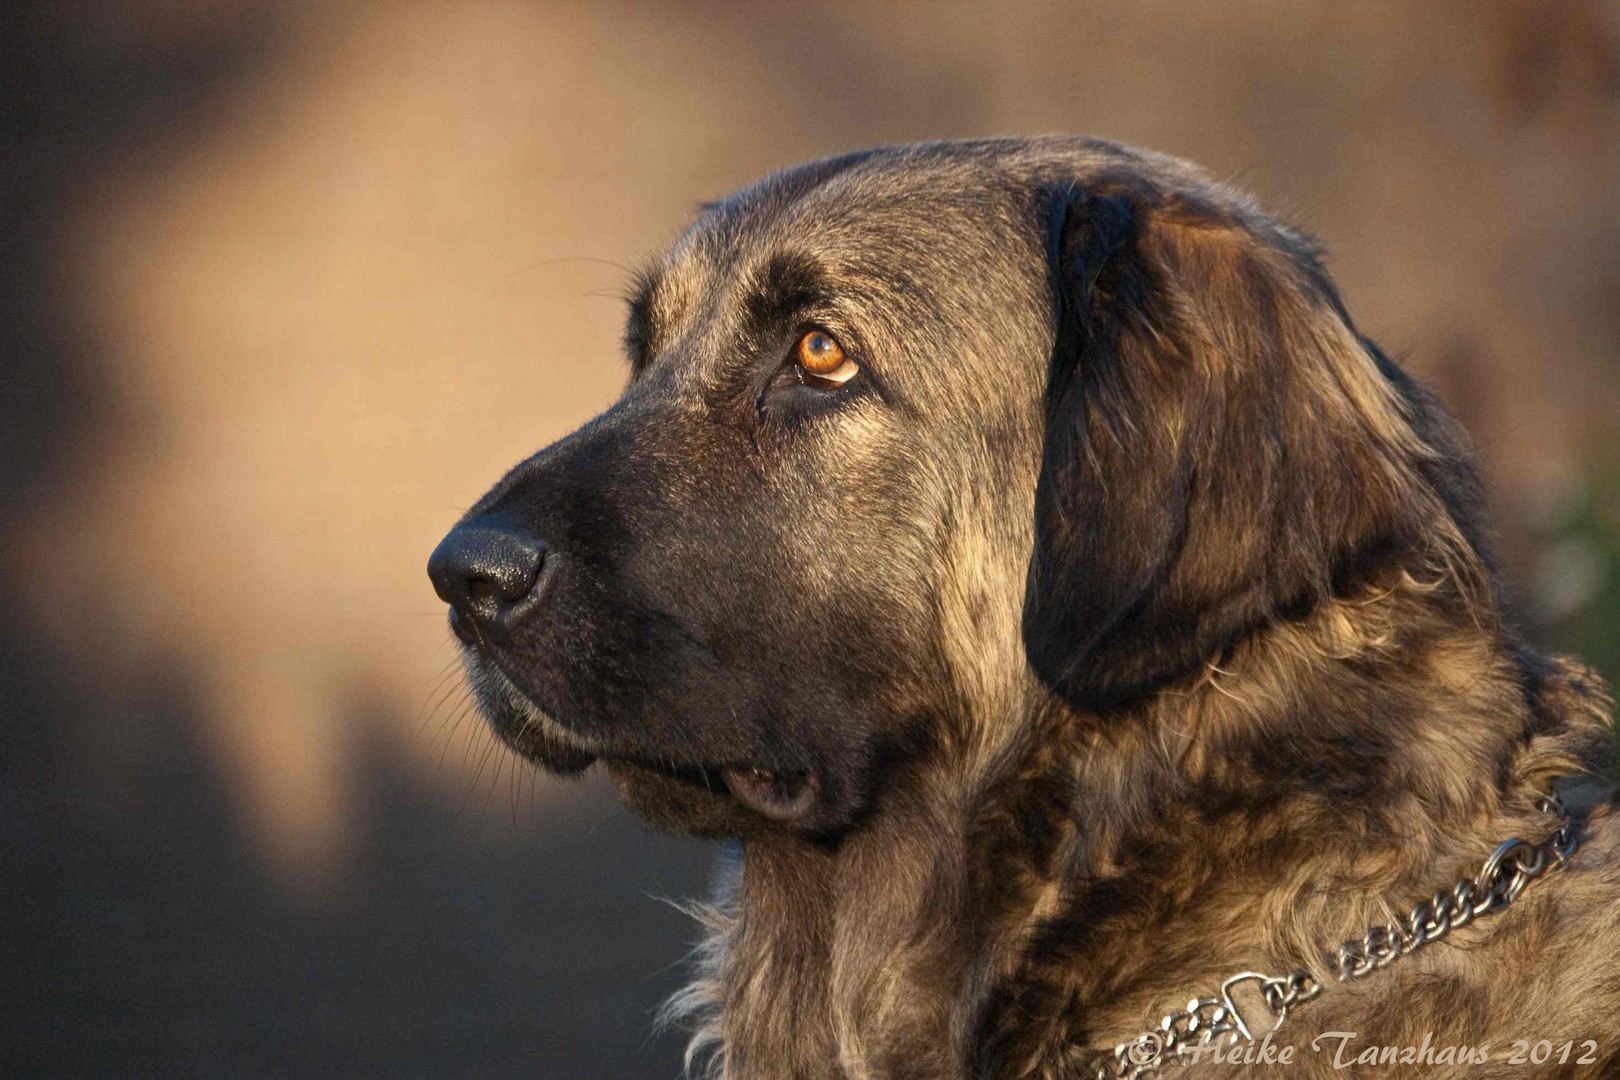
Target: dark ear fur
(1221, 449)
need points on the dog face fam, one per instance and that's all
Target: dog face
(749, 560)
(907, 434)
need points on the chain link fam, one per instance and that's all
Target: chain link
(1513, 865)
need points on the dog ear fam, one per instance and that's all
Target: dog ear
(1221, 449)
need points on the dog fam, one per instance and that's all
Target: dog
(1014, 548)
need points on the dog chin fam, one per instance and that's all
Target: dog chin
(677, 804)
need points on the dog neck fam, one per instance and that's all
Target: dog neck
(1096, 869)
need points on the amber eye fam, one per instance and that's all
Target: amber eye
(822, 361)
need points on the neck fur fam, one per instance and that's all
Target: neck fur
(1090, 869)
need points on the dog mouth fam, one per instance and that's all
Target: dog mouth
(781, 795)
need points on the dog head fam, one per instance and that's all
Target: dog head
(909, 433)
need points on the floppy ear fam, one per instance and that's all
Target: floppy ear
(1221, 449)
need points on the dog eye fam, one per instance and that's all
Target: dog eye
(821, 361)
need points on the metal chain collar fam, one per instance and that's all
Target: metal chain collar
(1512, 866)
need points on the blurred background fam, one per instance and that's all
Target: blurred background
(284, 288)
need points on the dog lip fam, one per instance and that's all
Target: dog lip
(777, 796)
(540, 736)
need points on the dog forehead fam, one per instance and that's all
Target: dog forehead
(890, 202)
(891, 229)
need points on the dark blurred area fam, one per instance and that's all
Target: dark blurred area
(283, 288)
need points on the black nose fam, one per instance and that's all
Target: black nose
(486, 570)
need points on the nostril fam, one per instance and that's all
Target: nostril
(507, 582)
(484, 567)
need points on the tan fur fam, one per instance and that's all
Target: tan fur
(1132, 611)
(886, 893)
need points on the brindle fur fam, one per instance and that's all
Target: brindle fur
(1131, 610)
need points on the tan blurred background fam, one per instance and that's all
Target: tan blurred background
(286, 287)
